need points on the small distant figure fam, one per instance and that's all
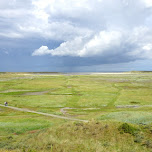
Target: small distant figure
(5, 103)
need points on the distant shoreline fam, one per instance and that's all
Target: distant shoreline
(79, 73)
(84, 72)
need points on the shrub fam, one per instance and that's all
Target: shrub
(126, 128)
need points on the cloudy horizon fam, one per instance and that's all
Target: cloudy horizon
(75, 35)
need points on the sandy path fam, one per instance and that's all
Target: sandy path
(64, 110)
(133, 106)
(36, 93)
(41, 113)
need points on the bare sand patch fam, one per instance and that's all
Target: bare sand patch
(133, 106)
(64, 110)
(12, 90)
(36, 93)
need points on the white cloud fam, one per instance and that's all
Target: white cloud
(148, 3)
(42, 51)
(11, 35)
(85, 46)
(147, 47)
(67, 19)
(115, 28)
(101, 43)
(137, 44)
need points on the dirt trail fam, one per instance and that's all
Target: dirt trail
(133, 106)
(13, 90)
(64, 110)
(36, 93)
(41, 113)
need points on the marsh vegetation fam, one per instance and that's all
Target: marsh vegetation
(118, 109)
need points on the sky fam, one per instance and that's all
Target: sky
(75, 35)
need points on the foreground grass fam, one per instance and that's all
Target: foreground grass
(78, 137)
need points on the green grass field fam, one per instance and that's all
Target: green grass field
(107, 101)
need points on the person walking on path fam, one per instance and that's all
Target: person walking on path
(5, 103)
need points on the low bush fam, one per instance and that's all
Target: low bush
(126, 128)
